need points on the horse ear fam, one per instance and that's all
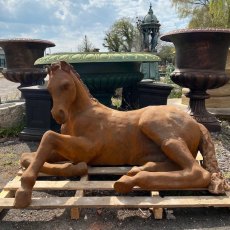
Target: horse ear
(48, 70)
(65, 66)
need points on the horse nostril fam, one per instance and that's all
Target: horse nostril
(59, 115)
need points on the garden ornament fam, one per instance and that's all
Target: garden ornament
(161, 142)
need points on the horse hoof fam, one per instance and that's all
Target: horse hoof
(79, 169)
(133, 171)
(123, 185)
(83, 168)
(22, 198)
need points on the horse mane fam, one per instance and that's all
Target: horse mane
(55, 66)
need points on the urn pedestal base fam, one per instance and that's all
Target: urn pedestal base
(153, 93)
(199, 112)
(218, 103)
(145, 93)
(38, 116)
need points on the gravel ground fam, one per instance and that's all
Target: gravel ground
(95, 219)
(222, 145)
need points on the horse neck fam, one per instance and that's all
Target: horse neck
(83, 99)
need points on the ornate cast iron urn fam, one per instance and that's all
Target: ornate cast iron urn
(20, 57)
(201, 56)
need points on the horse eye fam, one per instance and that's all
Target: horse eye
(65, 86)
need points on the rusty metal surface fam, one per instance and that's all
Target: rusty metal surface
(201, 56)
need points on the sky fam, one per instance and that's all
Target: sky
(66, 22)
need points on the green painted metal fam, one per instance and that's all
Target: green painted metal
(150, 71)
(104, 72)
(98, 57)
(111, 81)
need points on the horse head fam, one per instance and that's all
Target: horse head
(62, 88)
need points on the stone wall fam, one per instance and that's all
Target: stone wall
(11, 114)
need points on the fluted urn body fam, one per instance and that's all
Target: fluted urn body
(20, 56)
(201, 56)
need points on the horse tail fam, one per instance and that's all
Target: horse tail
(218, 185)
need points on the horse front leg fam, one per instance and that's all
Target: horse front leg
(51, 142)
(52, 167)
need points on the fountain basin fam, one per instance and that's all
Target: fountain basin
(103, 73)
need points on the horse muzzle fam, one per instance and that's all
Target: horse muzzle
(59, 116)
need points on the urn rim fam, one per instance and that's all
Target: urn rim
(26, 40)
(167, 36)
(98, 57)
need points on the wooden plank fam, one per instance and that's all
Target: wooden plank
(9, 193)
(75, 185)
(75, 212)
(157, 212)
(108, 170)
(98, 171)
(123, 202)
(199, 157)
(65, 185)
(6, 193)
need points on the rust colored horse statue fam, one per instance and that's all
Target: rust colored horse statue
(161, 142)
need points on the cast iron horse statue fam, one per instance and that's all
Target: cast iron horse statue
(161, 142)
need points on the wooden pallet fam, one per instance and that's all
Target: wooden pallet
(153, 201)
